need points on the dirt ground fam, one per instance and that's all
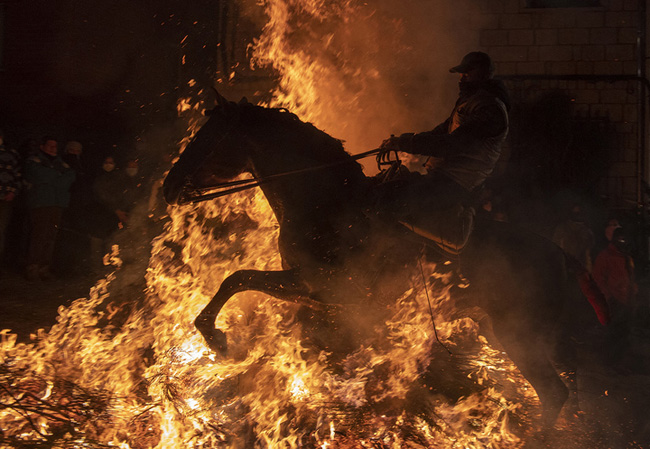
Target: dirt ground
(613, 395)
(27, 306)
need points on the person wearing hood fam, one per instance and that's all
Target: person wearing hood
(464, 149)
(614, 273)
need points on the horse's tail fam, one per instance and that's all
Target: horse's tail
(590, 289)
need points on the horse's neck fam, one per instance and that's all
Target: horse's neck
(302, 182)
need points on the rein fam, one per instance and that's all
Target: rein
(198, 195)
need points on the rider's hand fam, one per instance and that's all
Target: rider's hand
(390, 144)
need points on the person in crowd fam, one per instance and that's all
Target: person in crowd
(116, 192)
(74, 250)
(575, 236)
(104, 212)
(48, 193)
(462, 153)
(614, 273)
(612, 225)
(10, 185)
(72, 155)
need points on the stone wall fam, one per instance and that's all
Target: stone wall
(575, 41)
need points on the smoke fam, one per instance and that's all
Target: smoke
(363, 71)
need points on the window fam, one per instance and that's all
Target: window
(563, 3)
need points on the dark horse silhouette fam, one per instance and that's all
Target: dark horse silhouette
(333, 253)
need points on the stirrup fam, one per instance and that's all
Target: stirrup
(452, 248)
(451, 237)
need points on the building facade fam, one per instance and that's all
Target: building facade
(579, 65)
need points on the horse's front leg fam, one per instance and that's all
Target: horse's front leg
(285, 285)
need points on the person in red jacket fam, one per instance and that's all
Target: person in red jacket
(613, 271)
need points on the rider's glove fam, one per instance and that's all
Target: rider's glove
(390, 144)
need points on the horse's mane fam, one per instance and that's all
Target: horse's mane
(319, 144)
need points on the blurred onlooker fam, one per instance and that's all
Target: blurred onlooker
(10, 183)
(614, 270)
(614, 273)
(48, 193)
(72, 156)
(103, 216)
(575, 237)
(115, 189)
(612, 225)
(74, 242)
(116, 192)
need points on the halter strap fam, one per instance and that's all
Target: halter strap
(197, 195)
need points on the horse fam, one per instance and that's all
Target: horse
(333, 254)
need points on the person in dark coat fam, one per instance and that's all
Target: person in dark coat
(463, 152)
(48, 180)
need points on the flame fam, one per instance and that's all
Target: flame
(275, 392)
(136, 373)
(335, 65)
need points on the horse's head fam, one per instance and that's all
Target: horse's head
(266, 142)
(214, 155)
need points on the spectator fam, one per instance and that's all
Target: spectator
(72, 156)
(612, 225)
(49, 179)
(116, 192)
(104, 218)
(614, 274)
(10, 183)
(575, 237)
(73, 250)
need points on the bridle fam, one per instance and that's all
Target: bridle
(200, 194)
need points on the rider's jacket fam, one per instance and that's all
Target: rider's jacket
(466, 146)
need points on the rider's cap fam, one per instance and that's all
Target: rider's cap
(473, 60)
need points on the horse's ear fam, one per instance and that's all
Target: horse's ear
(243, 100)
(221, 100)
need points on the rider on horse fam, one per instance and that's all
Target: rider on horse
(463, 151)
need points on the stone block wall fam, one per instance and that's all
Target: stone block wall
(575, 41)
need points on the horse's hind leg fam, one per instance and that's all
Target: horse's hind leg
(530, 354)
(285, 285)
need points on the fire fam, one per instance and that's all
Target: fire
(154, 383)
(135, 373)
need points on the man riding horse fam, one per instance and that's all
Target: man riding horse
(463, 151)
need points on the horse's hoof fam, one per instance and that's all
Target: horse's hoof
(214, 338)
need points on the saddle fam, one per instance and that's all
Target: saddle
(448, 230)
